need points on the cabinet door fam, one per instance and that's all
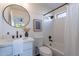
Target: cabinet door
(28, 52)
(28, 49)
(27, 45)
(6, 51)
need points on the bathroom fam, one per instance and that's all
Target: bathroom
(44, 29)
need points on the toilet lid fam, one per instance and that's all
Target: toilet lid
(45, 50)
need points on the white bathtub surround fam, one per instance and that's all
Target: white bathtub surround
(56, 29)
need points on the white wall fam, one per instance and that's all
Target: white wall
(47, 27)
(4, 27)
(56, 30)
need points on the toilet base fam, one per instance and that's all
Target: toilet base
(38, 55)
(45, 51)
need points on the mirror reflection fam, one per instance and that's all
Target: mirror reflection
(16, 16)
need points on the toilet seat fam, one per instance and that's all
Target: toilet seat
(45, 51)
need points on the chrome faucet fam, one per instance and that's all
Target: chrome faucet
(16, 34)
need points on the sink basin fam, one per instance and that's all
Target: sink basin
(27, 39)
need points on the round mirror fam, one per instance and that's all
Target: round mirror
(16, 16)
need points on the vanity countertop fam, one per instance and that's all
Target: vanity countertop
(7, 42)
(27, 39)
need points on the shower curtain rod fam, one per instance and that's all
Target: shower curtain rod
(55, 9)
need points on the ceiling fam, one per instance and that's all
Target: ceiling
(44, 7)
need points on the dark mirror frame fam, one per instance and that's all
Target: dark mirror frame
(19, 6)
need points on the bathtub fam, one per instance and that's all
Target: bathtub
(56, 52)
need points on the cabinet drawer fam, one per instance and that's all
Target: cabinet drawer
(28, 52)
(27, 45)
(6, 51)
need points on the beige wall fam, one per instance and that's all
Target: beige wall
(4, 27)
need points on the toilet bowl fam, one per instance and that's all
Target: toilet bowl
(45, 51)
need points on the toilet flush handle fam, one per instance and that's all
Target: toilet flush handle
(50, 38)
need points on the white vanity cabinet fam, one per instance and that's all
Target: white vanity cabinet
(7, 48)
(6, 51)
(28, 49)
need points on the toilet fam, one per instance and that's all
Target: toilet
(45, 51)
